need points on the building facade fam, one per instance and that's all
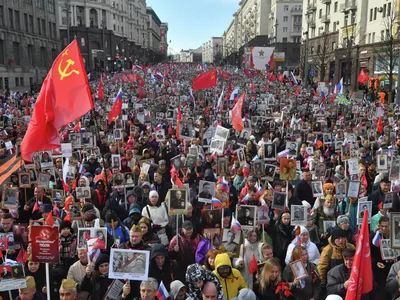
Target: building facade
(212, 50)
(344, 36)
(113, 34)
(29, 42)
(154, 30)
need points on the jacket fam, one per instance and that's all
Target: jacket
(170, 270)
(202, 249)
(331, 256)
(232, 284)
(312, 283)
(336, 279)
(116, 202)
(195, 273)
(313, 252)
(378, 196)
(379, 274)
(247, 250)
(96, 286)
(175, 288)
(187, 250)
(303, 191)
(268, 293)
(392, 281)
(282, 236)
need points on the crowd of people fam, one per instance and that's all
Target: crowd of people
(177, 200)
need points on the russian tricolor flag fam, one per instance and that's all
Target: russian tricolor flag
(235, 226)
(293, 78)
(162, 293)
(216, 203)
(377, 239)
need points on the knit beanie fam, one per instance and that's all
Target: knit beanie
(65, 224)
(246, 294)
(101, 259)
(342, 219)
(338, 233)
(153, 193)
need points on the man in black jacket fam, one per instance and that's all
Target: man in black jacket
(378, 196)
(161, 186)
(339, 277)
(162, 268)
(303, 190)
(117, 204)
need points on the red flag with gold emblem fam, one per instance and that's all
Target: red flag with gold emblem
(205, 80)
(64, 97)
(237, 121)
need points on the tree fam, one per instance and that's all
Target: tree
(324, 54)
(387, 52)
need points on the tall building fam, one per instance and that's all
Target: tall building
(164, 38)
(155, 53)
(274, 23)
(112, 34)
(29, 42)
(212, 50)
(343, 36)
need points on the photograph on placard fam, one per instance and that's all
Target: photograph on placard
(388, 201)
(177, 201)
(244, 137)
(231, 240)
(21, 233)
(316, 187)
(387, 252)
(57, 195)
(328, 225)
(76, 140)
(241, 155)
(340, 190)
(66, 149)
(395, 168)
(84, 234)
(177, 162)
(118, 180)
(211, 218)
(246, 216)
(395, 230)
(193, 150)
(270, 151)
(362, 207)
(160, 135)
(129, 264)
(381, 162)
(298, 270)
(116, 161)
(206, 191)
(10, 198)
(43, 180)
(279, 200)
(287, 169)
(345, 152)
(32, 173)
(83, 192)
(257, 168)
(338, 146)
(298, 215)
(353, 167)
(118, 134)
(262, 214)
(320, 170)
(327, 138)
(190, 161)
(208, 136)
(222, 166)
(221, 133)
(46, 159)
(24, 180)
(353, 189)
(75, 212)
(293, 148)
(185, 129)
(217, 146)
(87, 139)
(270, 172)
(129, 179)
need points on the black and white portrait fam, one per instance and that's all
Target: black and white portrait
(230, 240)
(190, 161)
(222, 166)
(221, 133)
(241, 155)
(362, 208)
(46, 160)
(43, 180)
(328, 225)
(83, 192)
(75, 212)
(211, 218)
(185, 130)
(206, 191)
(257, 168)
(246, 216)
(127, 264)
(270, 151)
(178, 162)
(395, 169)
(292, 147)
(270, 172)
(298, 269)
(117, 134)
(395, 230)
(24, 180)
(208, 136)
(178, 198)
(327, 138)
(217, 146)
(320, 170)
(279, 200)
(116, 161)
(381, 162)
(316, 187)
(244, 137)
(10, 198)
(341, 190)
(298, 215)
(388, 201)
(353, 189)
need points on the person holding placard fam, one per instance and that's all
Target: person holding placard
(303, 238)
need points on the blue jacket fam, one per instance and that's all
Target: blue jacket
(121, 232)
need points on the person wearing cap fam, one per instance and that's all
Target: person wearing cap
(339, 276)
(163, 268)
(158, 214)
(378, 196)
(115, 228)
(101, 192)
(331, 255)
(68, 290)
(46, 210)
(96, 280)
(91, 164)
(303, 238)
(161, 186)
(178, 291)
(342, 222)
(67, 244)
(84, 182)
(303, 189)
(324, 212)
(30, 292)
(183, 247)
(164, 170)
(135, 214)
(90, 218)
(251, 181)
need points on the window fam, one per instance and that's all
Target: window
(1, 15)
(320, 13)
(16, 81)
(2, 52)
(17, 60)
(353, 18)
(375, 10)
(335, 7)
(54, 31)
(44, 27)
(17, 21)
(1, 83)
(30, 81)
(346, 20)
(312, 49)
(286, 7)
(369, 38)
(384, 11)
(79, 16)
(318, 48)
(39, 31)
(43, 56)
(334, 26)
(30, 55)
(50, 31)
(285, 19)
(26, 25)
(382, 35)
(40, 4)
(387, 34)
(53, 54)
(50, 6)
(389, 11)
(83, 42)
(21, 81)
(371, 11)
(373, 37)
(284, 40)
(31, 24)
(333, 46)
(10, 18)
(284, 29)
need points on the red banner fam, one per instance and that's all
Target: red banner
(45, 244)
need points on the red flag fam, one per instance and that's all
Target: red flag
(225, 75)
(22, 255)
(65, 187)
(252, 86)
(131, 77)
(205, 80)
(271, 76)
(315, 93)
(363, 77)
(361, 272)
(271, 61)
(124, 78)
(50, 219)
(165, 73)
(237, 121)
(140, 91)
(253, 265)
(64, 97)
(68, 218)
(35, 207)
(280, 77)
(179, 122)
(4, 244)
(379, 126)
(116, 109)
(100, 93)
(77, 127)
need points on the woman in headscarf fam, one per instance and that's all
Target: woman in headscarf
(196, 276)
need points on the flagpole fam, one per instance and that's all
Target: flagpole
(48, 281)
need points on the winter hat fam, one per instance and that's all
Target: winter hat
(101, 259)
(187, 224)
(300, 230)
(338, 233)
(46, 208)
(146, 183)
(97, 171)
(306, 204)
(87, 207)
(111, 216)
(246, 294)
(134, 210)
(334, 297)
(342, 220)
(65, 224)
(153, 193)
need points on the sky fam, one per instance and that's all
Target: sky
(193, 22)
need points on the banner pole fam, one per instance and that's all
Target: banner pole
(48, 281)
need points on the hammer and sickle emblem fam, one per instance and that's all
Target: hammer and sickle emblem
(64, 73)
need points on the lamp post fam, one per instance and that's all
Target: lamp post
(66, 9)
(305, 83)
